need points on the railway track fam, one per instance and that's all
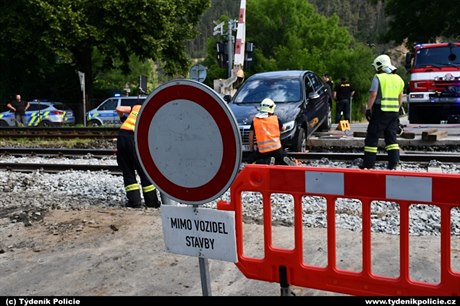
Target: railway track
(59, 132)
(50, 167)
(408, 156)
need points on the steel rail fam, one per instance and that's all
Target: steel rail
(413, 156)
(114, 169)
(61, 132)
(55, 168)
(61, 152)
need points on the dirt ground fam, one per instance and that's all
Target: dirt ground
(121, 252)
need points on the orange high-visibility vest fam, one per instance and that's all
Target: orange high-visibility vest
(130, 122)
(267, 134)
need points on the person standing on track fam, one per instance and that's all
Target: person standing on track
(19, 107)
(382, 112)
(343, 93)
(129, 163)
(330, 84)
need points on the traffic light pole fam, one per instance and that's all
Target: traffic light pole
(231, 27)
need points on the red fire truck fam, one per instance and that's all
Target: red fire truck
(434, 87)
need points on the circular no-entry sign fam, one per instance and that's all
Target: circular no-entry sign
(188, 141)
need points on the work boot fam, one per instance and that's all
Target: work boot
(151, 199)
(289, 161)
(369, 161)
(134, 199)
(393, 159)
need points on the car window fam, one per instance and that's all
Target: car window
(33, 107)
(62, 106)
(131, 102)
(279, 90)
(110, 104)
(36, 106)
(41, 106)
(308, 85)
(313, 82)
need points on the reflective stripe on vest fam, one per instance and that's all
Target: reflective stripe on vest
(267, 134)
(130, 122)
(391, 85)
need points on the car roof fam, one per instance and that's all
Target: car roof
(45, 102)
(129, 97)
(279, 74)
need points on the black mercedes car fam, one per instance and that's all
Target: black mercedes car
(302, 103)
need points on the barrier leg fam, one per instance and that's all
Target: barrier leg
(285, 290)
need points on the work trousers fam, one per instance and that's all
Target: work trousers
(129, 164)
(342, 106)
(20, 120)
(386, 123)
(263, 158)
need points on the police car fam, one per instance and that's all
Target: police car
(105, 113)
(43, 114)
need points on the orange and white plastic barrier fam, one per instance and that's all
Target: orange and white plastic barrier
(403, 188)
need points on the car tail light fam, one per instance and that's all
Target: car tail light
(57, 113)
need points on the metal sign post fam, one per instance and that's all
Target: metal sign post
(81, 76)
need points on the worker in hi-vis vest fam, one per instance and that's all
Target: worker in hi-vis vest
(266, 129)
(382, 112)
(129, 163)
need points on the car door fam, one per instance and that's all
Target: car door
(107, 112)
(316, 101)
(33, 116)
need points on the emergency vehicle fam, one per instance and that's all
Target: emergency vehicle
(434, 87)
(43, 114)
(106, 114)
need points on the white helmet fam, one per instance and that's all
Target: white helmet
(383, 63)
(267, 106)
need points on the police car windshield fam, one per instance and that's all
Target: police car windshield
(279, 90)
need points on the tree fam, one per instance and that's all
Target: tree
(422, 20)
(37, 34)
(291, 34)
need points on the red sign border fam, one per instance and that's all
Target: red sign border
(190, 91)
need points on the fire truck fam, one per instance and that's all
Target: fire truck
(434, 87)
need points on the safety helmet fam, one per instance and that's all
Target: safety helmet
(383, 63)
(267, 106)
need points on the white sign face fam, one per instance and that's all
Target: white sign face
(199, 232)
(193, 146)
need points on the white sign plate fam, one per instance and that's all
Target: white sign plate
(199, 232)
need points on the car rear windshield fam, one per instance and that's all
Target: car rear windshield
(62, 106)
(279, 90)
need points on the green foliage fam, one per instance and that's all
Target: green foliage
(39, 37)
(291, 34)
(114, 80)
(422, 20)
(365, 19)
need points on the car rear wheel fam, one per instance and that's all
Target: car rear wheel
(3, 123)
(327, 124)
(94, 123)
(300, 141)
(46, 124)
